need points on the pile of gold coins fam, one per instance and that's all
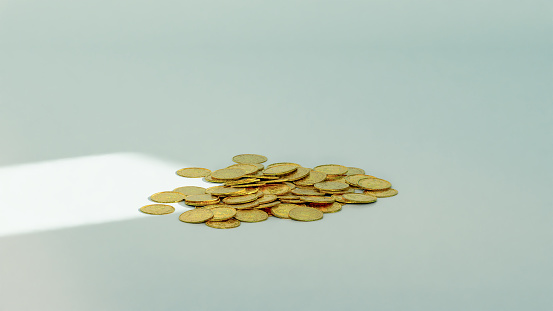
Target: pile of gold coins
(251, 192)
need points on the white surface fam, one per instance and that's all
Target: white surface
(80, 191)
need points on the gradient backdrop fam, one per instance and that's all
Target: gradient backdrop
(449, 100)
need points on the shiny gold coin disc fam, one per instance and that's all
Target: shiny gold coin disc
(382, 193)
(249, 158)
(276, 189)
(167, 197)
(311, 179)
(241, 199)
(267, 205)
(250, 205)
(281, 163)
(331, 186)
(278, 170)
(197, 198)
(359, 198)
(196, 216)
(190, 190)
(305, 214)
(227, 224)
(355, 171)
(374, 184)
(208, 178)
(267, 198)
(301, 172)
(228, 173)
(193, 172)
(329, 208)
(157, 209)
(251, 215)
(282, 210)
(352, 180)
(224, 191)
(331, 169)
(222, 213)
(248, 168)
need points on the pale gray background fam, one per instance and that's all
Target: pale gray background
(450, 100)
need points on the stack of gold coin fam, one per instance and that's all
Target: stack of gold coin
(248, 191)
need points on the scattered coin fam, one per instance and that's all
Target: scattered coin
(224, 191)
(222, 213)
(227, 224)
(374, 184)
(331, 169)
(311, 179)
(157, 209)
(359, 198)
(282, 210)
(328, 208)
(228, 173)
(382, 193)
(277, 189)
(196, 216)
(190, 190)
(331, 186)
(167, 197)
(267, 198)
(305, 214)
(251, 215)
(355, 171)
(268, 205)
(249, 158)
(354, 179)
(241, 199)
(193, 172)
(279, 170)
(247, 168)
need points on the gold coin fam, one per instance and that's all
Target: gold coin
(167, 197)
(303, 191)
(250, 205)
(348, 190)
(208, 178)
(227, 224)
(249, 158)
(157, 209)
(216, 205)
(224, 191)
(278, 170)
(317, 199)
(228, 173)
(290, 185)
(374, 184)
(281, 163)
(288, 197)
(248, 168)
(340, 178)
(382, 193)
(242, 199)
(311, 179)
(352, 180)
(331, 186)
(355, 171)
(193, 172)
(251, 215)
(201, 198)
(222, 213)
(201, 204)
(282, 210)
(196, 216)
(268, 205)
(328, 208)
(241, 181)
(300, 173)
(359, 198)
(276, 189)
(305, 214)
(331, 169)
(190, 190)
(340, 198)
(267, 198)
(250, 190)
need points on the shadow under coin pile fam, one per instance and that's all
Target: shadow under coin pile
(251, 192)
